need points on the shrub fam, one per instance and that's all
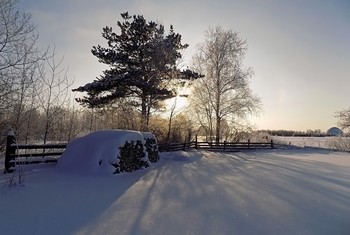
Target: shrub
(152, 149)
(131, 157)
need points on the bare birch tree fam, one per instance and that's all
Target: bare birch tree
(19, 55)
(18, 39)
(54, 93)
(343, 118)
(224, 92)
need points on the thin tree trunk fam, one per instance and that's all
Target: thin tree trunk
(143, 113)
(217, 111)
(172, 111)
(218, 127)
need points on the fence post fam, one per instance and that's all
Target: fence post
(248, 143)
(272, 144)
(184, 146)
(9, 151)
(196, 144)
(224, 145)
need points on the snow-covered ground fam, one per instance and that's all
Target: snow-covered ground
(298, 191)
(330, 142)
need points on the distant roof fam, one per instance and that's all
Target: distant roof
(334, 131)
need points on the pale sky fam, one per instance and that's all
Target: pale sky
(298, 49)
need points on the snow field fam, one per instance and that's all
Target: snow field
(329, 142)
(295, 191)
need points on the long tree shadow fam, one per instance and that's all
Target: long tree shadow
(317, 191)
(205, 193)
(56, 203)
(227, 193)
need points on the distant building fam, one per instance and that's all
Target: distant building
(334, 131)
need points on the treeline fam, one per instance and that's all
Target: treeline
(308, 133)
(67, 123)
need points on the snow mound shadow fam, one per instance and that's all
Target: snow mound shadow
(181, 156)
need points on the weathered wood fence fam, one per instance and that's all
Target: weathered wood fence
(30, 153)
(44, 153)
(222, 146)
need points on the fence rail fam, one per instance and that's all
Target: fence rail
(175, 146)
(30, 153)
(224, 146)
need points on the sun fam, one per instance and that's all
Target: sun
(177, 104)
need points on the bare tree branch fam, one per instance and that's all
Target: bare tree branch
(224, 92)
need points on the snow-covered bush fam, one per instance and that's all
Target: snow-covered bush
(131, 157)
(339, 143)
(104, 152)
(151, 146)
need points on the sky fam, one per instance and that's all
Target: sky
(299, 50)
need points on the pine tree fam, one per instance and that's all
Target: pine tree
(142, 65)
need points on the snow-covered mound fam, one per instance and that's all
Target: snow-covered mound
(334, 131)
(148, 135)
(96, 153)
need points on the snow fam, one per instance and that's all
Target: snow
(94, 153)
(148, 135)
(10, 133)
(329, 142)
(279, 191)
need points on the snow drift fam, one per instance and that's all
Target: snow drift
(98, 152)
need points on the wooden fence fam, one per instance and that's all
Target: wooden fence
(30, 153)
(222, 146)
(33, 154)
